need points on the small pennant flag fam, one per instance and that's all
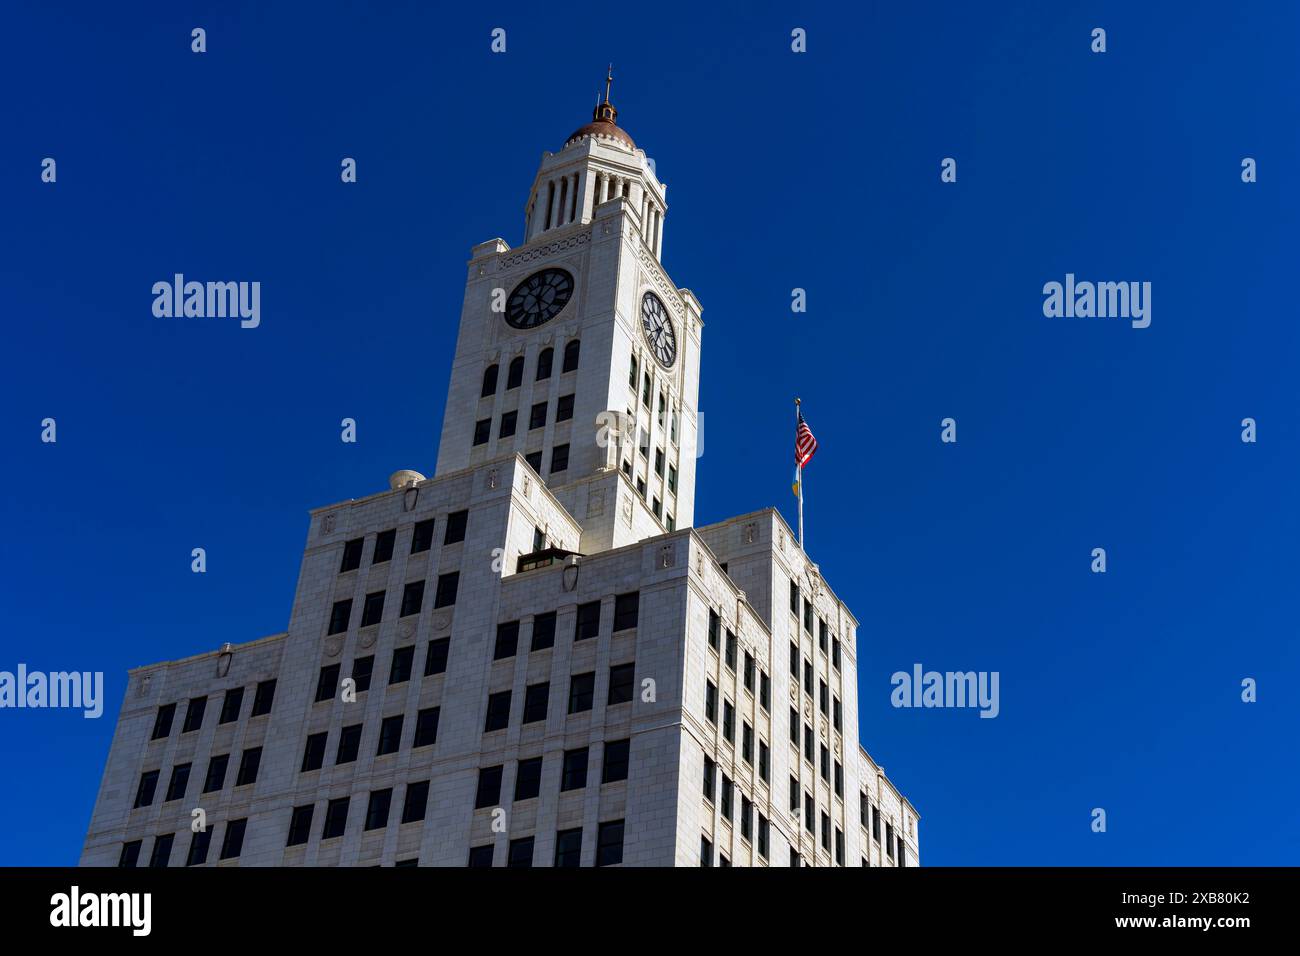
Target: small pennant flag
(805, 446)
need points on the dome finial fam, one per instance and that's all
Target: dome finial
(604, 111)
(609, 79)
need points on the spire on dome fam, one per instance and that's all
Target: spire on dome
(604, 119)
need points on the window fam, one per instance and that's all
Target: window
(835, 652)
(446, 593)
(543, 631)
(422, 536)
(480, 856)
(587, 624)
(349, 744)
(794, 794)
(764, 761)
(645, 389)
(498, 711)
(426, 727)
(657, 506)
(727, 788)
(249, 762)
(372, 612)
(764, 836)
(534, 459)
(352, 554)
(537, 416)
(794, 726)
(179, 782)
(435, 660)
(536, 701)
(363, 669)
(162, 850)
(328, 682)
(313, 755)
(489, 787)
(455, 532)
(620, 683)
(417, 799)
(672, 478)
(263, 697)
(609, 843)
(823, 698)
(216, 777)
(559, 458)
(340, 614)
(764, 691)
(564, 408)
(507, 640)
(631, 373)
(902, 852)
(616, 761)
(863, 812)
(539, 539)
(489, 382)
(715, 624)
(747, 742)
(300, 825)
(521, 853)
(232, 844)
(826, 831)
(746, 817)
(728, 721)
(706, 852)
(640, 488)
(162, 724)
(571, 356)
(838, 714)
(377, 809)
(574, 775)
(807, 676)
(528, 778)
(839, 779)
(336, 818)
(709, 773)
(794, 660)
(808, 743)
(825, 763)
(711, 701)
(482, 431)
(889, 839)
(568, 847)
(809, 813)
(659, 462)
(807, 615)
(544, 358)
(749, 672)
(626, 607)
(515, 374)
(384, 546)
(194, 714)
(821, 634)
(839, 846)
(582, 688)
(875, 824)
(794, 598)
(399, 672)
(412, 598)
(390, 735)
(230, 705)
(730, 657)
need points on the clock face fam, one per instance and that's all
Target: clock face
(658, 330)
(539, 298)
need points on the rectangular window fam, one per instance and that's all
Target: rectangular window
(889, 839)
(300, 825)
(746, 817)
(749, 672)
(764, 691)
(809, 814)
(528, 779)
(482, 431)
(509, 423)
(656, 506)
(807, 676)
(349, 744)
(422, 536)
(839, 846)
(821, 634)
(794, 726)
(400, 670)
(534, 459)
(426, 727)
(825, 763)
(372, 612)
(730, 656)
(837, 712)
(728, 721)
(620, 683)
(232, 844)
(863, 814)
(390, 735)
(507, 640)
(537, 416)
(498, 712)
(340, 615)
(645, 390)
(162, 723)
(807, 615)
(363, 668)
(747, 742)
(710, 773)
(764, 836)
(480, 856)
(839, 780)
(412, 598)
(587, 624)
(711, 701)
(672, 478)
(808, 743)
(726, 790)
(582, 688)
(568, 847)
(377, 809)
(559, 458)
(794, 661)
(536, 702)
(446, 593)
(489, 788)
(764, 761)
(384, 542)
(564, 408)
(231, 705)
(794, 598)
(715, 624)
(263, 697)
(194, 714)
(826, 831)
(162, 850)
(875, 824)
(794, 794)
(823, 697)
(659, 462)
(249, 762)
(609, 843)
(626, 609)
(574, 776)
(706, 852)
(435, 660)
(543, 631)
(352, 554)
(417, 799)
(179, 782)
(313, 754)
(835, 653)
(216, 777)
(615, 761)
(336, 818)
(328, 682)
(455, 532)
(521, 853)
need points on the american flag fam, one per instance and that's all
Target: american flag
(805, 445)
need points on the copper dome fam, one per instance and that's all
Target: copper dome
(603, 120)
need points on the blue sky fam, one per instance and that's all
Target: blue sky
(818, 171)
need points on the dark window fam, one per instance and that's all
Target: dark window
(794, 794)
(809, 814)
(626, 607)
(498, 711)
(422, 536)
(568, 847)
(902, 852)
(534, 459)
(864, 813)
(509, 423)
(515, 374)
(715, 624)
(659, 462)
(609, 843)
(764, 836)
(807, 676)
(446, 593)
(875, 824)
(837, 711)
(162, 723)
(571, 351)
(194, 714)
(528, 779)
(536, 699)
(426, 727)
(615, 761)
(328, 682)
(384, 546)
(263, 697)
(231, 705)
(162, 850)
(377, 809)
(180, 780)
(764, 761)
(709, 775)
(706, 852)
(372, 612)
(835, 653)
(480, 856)
(807, 615)
(400, 670)
(543, 631)
(749, 672)
(645, 389)
(216, 777)
(412, 598)
(825, 763)
(823, 698)
(340, 614)
(489, 788)
(728, 721)
(539, 539)
(574, 776)
(559, 458)
(821, 634)
(352, 554)
(794, 660)
(363, 668)
(727, 791)
(417, 799)
(507, 640)
(711, 701)
(349, 744)
(390, 735)
(482, 431)
(729, 657)
(747, 742)
(794, 726)
(672, 482)
(489, 382)
(232, 844)
(336, 818)
(521, 853)
(839, 779)
(839, 846)
(808, 743)
(537, 416)
(435, 660)
(794, 598)
(456, 522)
(582, 688)
(587, 623)
(564, 408)
(746, 817)
(889, 839)
(313, 755)
(620, 683)
(544, 358)
(300, 825)
(764, 691)
(249, 762)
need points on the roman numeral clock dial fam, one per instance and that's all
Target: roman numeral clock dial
(658, 330)
(539, 298)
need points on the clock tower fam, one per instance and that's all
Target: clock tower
(576, 349)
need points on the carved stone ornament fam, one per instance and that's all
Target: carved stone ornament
(441, 621)
(142, 687)
(409, 498)
(492, 479)
(794, 690)
(333, 646)
(751, 532)
(667, 556)
(406, 630)
(327, 523)
(367, 636)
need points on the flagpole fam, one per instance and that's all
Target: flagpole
(799, 478)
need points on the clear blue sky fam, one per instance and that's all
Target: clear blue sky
(818, 171)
